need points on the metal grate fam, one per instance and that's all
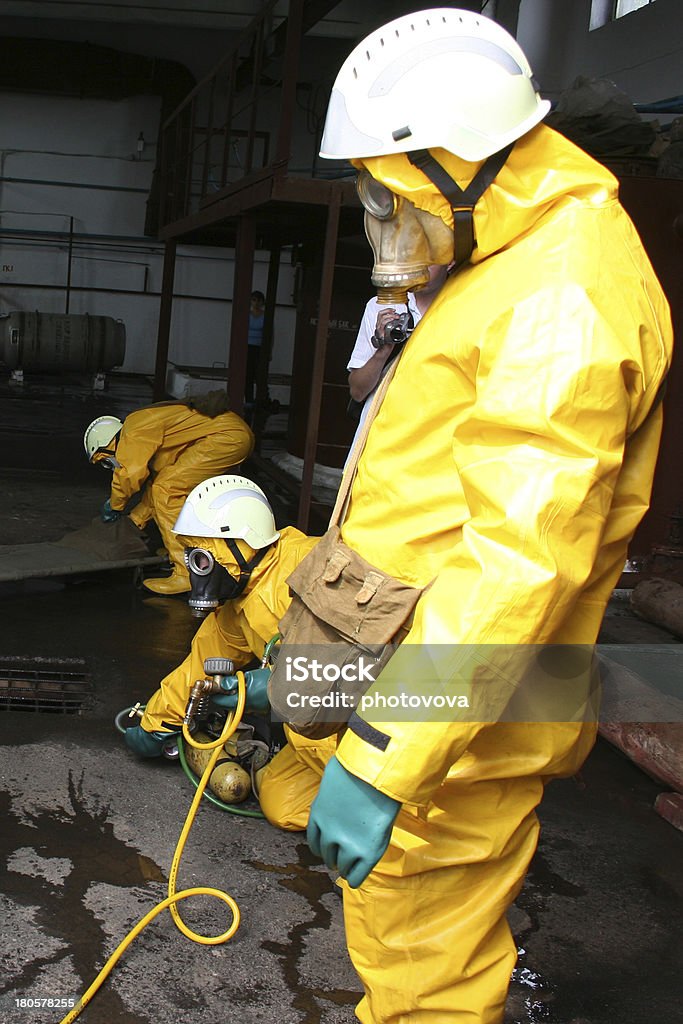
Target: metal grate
(45, 685)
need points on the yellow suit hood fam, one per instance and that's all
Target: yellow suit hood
(541, 171)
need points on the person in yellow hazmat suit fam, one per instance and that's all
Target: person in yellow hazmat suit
(160, 453)
(502, 477)
(238, 563)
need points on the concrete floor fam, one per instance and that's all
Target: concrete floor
(89, 831)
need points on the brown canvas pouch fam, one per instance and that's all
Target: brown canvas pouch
(345, 613)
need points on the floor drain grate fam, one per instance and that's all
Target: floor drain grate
(48, 685)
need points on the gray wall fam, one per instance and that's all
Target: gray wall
(641, 52)
(76, 158)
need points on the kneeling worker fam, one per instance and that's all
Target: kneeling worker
(161, 452)
(238, 564)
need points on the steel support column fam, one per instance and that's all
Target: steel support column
(261, 409)
(241, 297)
(289, 83)
(312, 424)
(165, 311)
(507, 14)
(69, 263)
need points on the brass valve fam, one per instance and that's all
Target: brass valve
(215, 668)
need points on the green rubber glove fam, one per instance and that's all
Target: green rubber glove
(257, 691)
(146, 744)
(109, 514)
(350, 823)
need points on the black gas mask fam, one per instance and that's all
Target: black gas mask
(212, 584)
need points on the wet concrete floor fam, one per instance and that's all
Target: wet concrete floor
(88, 831)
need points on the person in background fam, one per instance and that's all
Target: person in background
(254, 344)
(372, 351)
(156, 456)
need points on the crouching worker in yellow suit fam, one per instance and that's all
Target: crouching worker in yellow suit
(503, 476)
(238, 564)
(160, 453)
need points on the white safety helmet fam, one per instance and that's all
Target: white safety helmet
(442, 78)
(229, 507)
(100, 434)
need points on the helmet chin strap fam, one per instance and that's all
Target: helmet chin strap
(462, 201)
(245, 567)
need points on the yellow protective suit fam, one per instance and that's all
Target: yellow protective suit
(171, 448)
(505, 467)
(238, 629)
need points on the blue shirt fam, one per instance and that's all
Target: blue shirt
(255, 334)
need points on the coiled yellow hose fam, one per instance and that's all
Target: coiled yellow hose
(175, 897)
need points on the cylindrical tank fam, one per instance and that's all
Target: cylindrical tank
(54, 342)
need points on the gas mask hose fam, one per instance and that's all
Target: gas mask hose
(175, 897)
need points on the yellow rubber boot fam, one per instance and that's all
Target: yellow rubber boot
(173, 584)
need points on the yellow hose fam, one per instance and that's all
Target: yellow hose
(175, 897)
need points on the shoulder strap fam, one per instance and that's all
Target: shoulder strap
(344, 493)
(657, 401)
(462, 200)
